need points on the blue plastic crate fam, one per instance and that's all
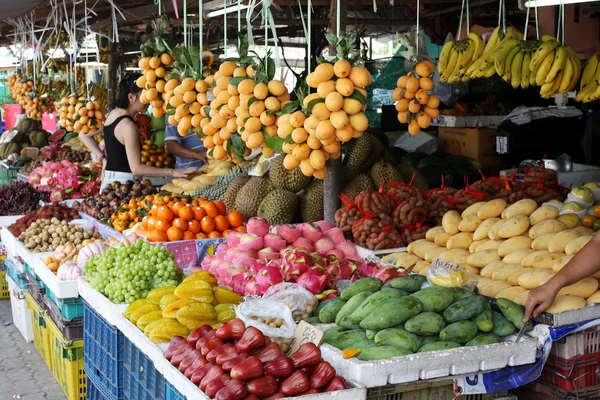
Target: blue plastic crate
(28, 268)
(141, 380)
(16, 276)
(69, 308)
(171, 393)
(103, 352)
(95, 391)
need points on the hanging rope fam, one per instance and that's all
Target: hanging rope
(225, 29)
(266, 22)
(462, 9)
(309, 38)
(338, 18)
(157, 2)
(306, 35)
(200, 34)
(417, 37)
(468, 19)
(185, 38)
(525, 29)
(537, 23)
(239, 16)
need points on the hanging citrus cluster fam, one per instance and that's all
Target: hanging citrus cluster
(153, 81)
(25, 94)
(80, 115)
(333, 115)
(414, 103)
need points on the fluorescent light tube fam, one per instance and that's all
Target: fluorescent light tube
(546, 3)
(227, 10)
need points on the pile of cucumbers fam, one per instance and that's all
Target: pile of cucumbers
(400, 318)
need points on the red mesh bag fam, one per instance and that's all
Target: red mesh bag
(347, 216)
(542, 193)
(375, 202)
(376, 232)
(414, 233)
(401, 192)
(512, 191)
(535, 175)
(411, 212)
(439, 201)
(466, 197)
(490, 186)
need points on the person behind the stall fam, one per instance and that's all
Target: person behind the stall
(585, 264)
(123, 160)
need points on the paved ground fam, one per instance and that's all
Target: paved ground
(23, 373)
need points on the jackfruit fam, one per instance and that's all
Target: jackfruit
(279, 207)
(385, 173)
(358, 184)
(359, 156)
(232, 190)
(293, 180)
(251, 194)
(312, 207)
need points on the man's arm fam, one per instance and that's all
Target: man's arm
(179, 150)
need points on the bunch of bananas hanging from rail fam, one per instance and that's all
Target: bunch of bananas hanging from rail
(484, 66)
(457, 57)
(557, 68)
(589, 89)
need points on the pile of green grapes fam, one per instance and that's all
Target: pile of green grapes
(127, 273)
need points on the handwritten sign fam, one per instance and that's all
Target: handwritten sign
(439, 263)
(305, 333)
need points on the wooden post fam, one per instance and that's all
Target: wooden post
(333, 181)
(112, 74)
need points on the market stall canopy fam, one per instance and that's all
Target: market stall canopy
(15, 8)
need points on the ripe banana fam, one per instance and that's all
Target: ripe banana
(544, 68)
(589, 70)
(501, 54)
(515, 69)
(567, 76)
(540, 55)
(557, 65)
(525, 72)
(445, 57)
(450, 65)
(508, 68)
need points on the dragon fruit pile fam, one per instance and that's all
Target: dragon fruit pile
(314, 255)
(66, 180)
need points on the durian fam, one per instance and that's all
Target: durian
(278, 207)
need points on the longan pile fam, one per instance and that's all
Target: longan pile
(336, 116)
(80, 115)
(154, 84)
(414, 103)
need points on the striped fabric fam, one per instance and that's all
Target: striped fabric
(190, 141)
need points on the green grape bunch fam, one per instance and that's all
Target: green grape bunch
(127, 273)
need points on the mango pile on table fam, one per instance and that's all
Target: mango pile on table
(177, 311)
(510, 250)
(376, 321)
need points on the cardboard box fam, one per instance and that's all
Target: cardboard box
(477, 143)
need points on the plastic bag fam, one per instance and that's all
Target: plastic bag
(442, 273)
(84, 224)
(257, 312)
(301, 302)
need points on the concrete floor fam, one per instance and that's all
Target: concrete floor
(23, 373)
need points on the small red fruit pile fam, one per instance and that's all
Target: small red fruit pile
(58, 211)
(235, 363)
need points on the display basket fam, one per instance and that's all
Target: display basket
(8, 173)
(4, 292)
(141, 380)
(67, 363)
(41, 335)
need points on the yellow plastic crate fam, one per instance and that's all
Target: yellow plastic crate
(4, 292)
(41, 336)
(67, 362)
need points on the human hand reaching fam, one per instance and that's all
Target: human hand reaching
(183, 172)
(539, 300)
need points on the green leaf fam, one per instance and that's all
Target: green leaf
(93, 121)
(207, 111)
(170, 107)
(210, 153)
(228, 148)
(270, 69)
(275, 143)
(313, 103)
(186, 106)
(252, 101)
(237, 80)
(219, 107)
(358, 96)
(194, 56)
(246, 60)
(200, 134)
(289, 108)
(239, 147)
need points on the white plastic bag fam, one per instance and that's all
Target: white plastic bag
(444, 274)
(301, 302)
(254, 311)
(84, 224)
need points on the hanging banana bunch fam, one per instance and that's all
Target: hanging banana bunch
(457, 57)
(484, 66)
(589, 90)
(557, 68)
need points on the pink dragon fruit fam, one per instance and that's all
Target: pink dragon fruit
(339, 269)
(387, 274)
(251, 242)
(58, 195)
(311, 231)
(233, 239)
(367, 269)
(285, 250)
(313, 280)
(222, 270)
(336, 253)
(324, 245)
(257, 226)
(207, 261)
(304, 243)
(266, 277)
(288, 232)
(336, 235)
(274, 241)
(295, 263)
(324, 225)
(250, 283)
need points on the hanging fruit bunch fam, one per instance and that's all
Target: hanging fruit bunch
(80, 115)
(331, 116)
(35, 105)
(414, 103)
(156, 61)
(187, 99)
(588, 88)
(457, 56)
(484, 66)
(557, 68)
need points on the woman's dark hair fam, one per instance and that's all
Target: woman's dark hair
(126, 86)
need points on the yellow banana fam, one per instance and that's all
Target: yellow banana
(455, 75)
(450, 65)
(532, 75)
(558, 64)
(544, 68)
(489, 72)
(541, 53)
(566, 77)
(479, 45)
(525, 72)
(577, 70)
(589, 70)
(445, 57)
(501, 54)
(515, 69)
(509, 59)
(467, 55)
(491, 44)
